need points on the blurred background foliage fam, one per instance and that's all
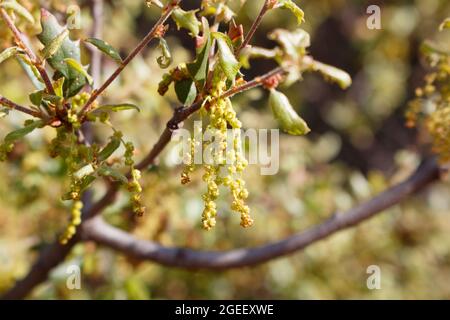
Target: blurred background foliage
(359, 145)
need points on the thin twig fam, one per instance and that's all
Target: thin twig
(14, 106)
(254, 27)
(22, 44)
(154, 32)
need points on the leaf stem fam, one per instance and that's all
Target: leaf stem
(33, 58)
(154, 32)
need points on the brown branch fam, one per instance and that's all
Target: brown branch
(154, 32)
(100, 232)
(14, 106)
(22, 44)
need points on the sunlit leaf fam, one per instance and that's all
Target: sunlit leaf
(186, 20)
(78, 67)
(20, 133)
(186, 91)
(227, 59)
(290, 122)
(20, 10)
(58, 87)
(333, 74)
(292, 6)
(106, 48)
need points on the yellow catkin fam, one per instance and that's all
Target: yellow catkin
(75, 221)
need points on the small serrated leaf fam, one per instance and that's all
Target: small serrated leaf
(186, 91)
(78, 67)
(8, 53)
(22, 132)
(290, 122)
(106, 48)
(187, 20)
(20, 10)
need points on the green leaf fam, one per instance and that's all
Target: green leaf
(86, 182)
(116, 175)
(199, 68)
(165, 59)
(58, 87)
(227, 59)
(186, 20)
(285, 114)
(8, 53)
(106, 48)
(20, 133)
(445, 24)
(333, 74)
(54, 45)
(116, 107)
(292, 6)
(75, 80)
(20, 10)
(109, 149)
(36, 98)
(78, 67)
(186, 91)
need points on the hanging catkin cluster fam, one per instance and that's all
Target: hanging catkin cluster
(227, 163)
